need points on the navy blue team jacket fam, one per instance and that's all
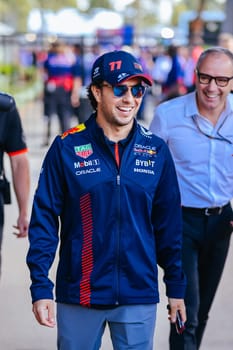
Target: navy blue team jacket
(115, 225)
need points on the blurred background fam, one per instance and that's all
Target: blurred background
(167, 36)
(27, 30)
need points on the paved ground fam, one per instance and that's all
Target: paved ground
(18, 328)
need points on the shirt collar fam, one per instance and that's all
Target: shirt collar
(191, 105)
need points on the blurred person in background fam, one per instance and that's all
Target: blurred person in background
(198, 128)
(173, 85)
(226, 40)
(188, 65)
(145, 58)
(108, 193)
(62, 85)
(85, 57)
(13, 144)
(160, 69)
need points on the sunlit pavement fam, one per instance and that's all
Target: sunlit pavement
(18, 328)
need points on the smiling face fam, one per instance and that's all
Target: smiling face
(211, 98)
(116, 114)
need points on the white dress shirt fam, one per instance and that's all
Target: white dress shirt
(204, 165)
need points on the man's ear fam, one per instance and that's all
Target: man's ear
(96, 92)
(231, 85)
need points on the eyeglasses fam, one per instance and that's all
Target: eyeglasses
(206, 79)
(120, 90)
(220, 137)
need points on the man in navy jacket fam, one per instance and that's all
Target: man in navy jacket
(108, 192)
(13, 144)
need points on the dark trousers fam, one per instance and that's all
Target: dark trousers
(1, 228)
(206, 241)
(58, 102)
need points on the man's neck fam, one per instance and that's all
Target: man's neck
(115, 132)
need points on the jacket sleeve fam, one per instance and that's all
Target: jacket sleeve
(167, 220)
(44, 223)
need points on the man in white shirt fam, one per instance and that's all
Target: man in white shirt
(198, 128)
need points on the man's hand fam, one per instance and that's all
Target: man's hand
(44, 312)
(174, 306)
(21, 229)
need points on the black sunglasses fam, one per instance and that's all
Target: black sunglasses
(206, 79)
(120, 90)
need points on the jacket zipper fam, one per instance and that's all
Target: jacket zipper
(118, 239)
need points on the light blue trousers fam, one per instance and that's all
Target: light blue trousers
(131, 327)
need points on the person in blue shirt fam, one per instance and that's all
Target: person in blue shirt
(173, 85)
(108, 193)
(198, 128)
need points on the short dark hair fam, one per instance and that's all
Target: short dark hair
(91, 96)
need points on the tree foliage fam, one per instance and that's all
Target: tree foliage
(198, 6)
(100, 3)
(55, 4)
(15, 13)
